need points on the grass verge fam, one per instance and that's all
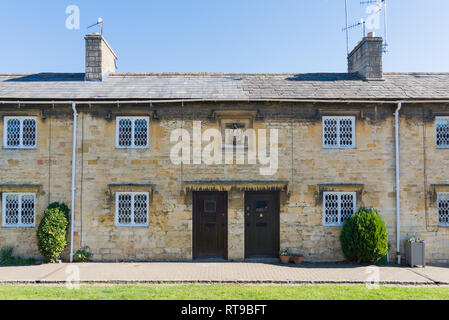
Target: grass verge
(222, 292)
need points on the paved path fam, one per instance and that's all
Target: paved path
(228, 272)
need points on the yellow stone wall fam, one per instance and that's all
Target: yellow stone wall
(302, 162)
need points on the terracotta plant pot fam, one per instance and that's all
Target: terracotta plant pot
(285, 259)
(297, 259)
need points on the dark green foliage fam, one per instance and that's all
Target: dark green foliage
(6, 258)
(51, 234)
(5, 255)
(81, 256)
(364, 237)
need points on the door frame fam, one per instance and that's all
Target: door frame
(277, 211)
(194, 217)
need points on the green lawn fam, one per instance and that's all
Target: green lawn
(222, 292)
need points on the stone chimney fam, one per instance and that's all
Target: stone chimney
(100, 58)
(366, 58)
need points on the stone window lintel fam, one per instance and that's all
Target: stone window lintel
(152, 114)
(114, 188)
(341, 112)
(338, 187)
(235, 114)
(21, 188)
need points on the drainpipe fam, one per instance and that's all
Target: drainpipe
(72, 209)
(398, 186)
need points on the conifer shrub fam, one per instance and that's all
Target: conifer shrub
(51, 234)
(364, 237)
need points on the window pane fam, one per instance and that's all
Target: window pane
(338, 132)
(140, 133)
(29, 133)
(442, 132)
(11, 209)
(124, 209)
(347, 206)
(125, 133)
(330, 132)
(28, 210)
(13, 133)
(261, 206)
(331, 208)
(210, 206)
(140, 209)
(338, 207)
(443, 208)
(346, 138)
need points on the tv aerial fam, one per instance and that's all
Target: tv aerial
(382, 6)
(99, 23)
(362, 23)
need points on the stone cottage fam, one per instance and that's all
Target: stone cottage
(130, 153)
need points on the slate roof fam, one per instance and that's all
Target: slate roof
(224, 86)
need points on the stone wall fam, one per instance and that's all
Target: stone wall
(369, 170)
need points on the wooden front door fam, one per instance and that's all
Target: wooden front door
(261, 224)
(210, 225)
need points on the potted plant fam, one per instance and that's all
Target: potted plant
(284, 254)
(297, 258)
(415, 252)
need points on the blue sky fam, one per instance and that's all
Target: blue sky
(212, 35)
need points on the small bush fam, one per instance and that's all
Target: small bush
(81, 256)
(6, 258)
(6, 255)
(51, 234)
(364, 237)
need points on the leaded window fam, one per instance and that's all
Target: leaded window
(132, 209)
(442, 132)
(338, 132)
(18, 210)
(133, 132)
(443, 209)
(337, 207)
(20, 132)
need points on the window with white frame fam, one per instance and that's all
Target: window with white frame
(443, 209)
(20, 132)
(442, 132)
(18, 210)
(133, 132)
(339, 132)
(337, 207)
(132, 209)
